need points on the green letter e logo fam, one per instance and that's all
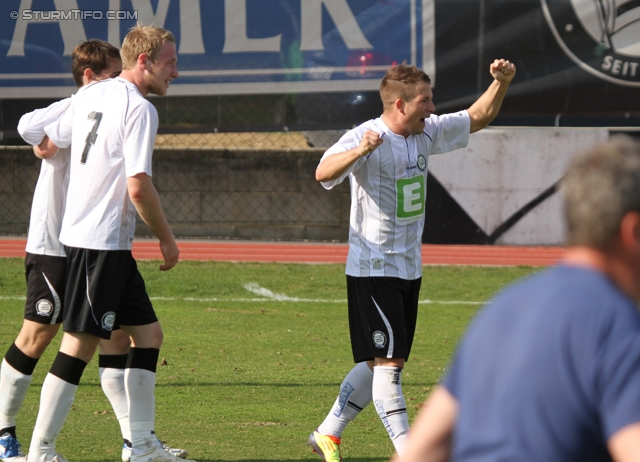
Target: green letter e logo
(411, 198)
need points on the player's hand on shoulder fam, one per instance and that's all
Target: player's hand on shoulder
(503, 70)
(369, 142)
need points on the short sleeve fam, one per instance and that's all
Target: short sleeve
(60, 131)
(32, 125)
(348, 141)
(618, 383)
(448, 132)
(139, 139)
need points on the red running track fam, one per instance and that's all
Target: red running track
(326, 253)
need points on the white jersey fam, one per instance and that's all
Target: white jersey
(388, 194)
(111, 129)
(51, 189)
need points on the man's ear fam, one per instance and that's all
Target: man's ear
(630, 231)
(87, 76)
(399, 105)
(143, 60)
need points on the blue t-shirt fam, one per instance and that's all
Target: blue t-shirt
(547, 371)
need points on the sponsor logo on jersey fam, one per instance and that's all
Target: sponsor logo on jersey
(422, 162)
(44, 307)
(379, 339)
(108, 320)
(343, 398)
(600, 36)
(411, 196)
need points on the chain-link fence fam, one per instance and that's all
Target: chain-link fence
(225, 166)
(248, 121)
(212, 192)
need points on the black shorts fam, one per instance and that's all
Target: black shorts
(46, 280)
(382, 316)
(116, 295)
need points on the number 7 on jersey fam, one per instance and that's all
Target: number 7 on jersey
(93, 134)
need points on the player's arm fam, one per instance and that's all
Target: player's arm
(147, 202)
(32, 124)
(486, 108)
(334, 166)
(431, 433)
(624, 444)
(46, 149)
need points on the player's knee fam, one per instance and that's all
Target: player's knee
(34, 338)
(120, 340)
(149, 336)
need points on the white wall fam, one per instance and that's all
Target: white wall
(503, 169)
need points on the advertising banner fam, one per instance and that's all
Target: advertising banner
(224, 46)
(577, 60)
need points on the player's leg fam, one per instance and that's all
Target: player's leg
(355, 390)
(91, 287)
(392, 323)
(45, 277)
(137, 318)
(354, 396)
(112, 362)
(58, 393)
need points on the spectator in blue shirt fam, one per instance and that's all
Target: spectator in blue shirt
(550, 369)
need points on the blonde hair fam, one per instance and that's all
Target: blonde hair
(400, 82)
(143, 40)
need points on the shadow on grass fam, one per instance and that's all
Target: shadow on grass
(247, 384)
(356, 459)
(277, 385)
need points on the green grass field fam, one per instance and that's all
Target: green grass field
(255, 354)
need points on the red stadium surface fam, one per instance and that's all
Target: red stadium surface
(326, 253)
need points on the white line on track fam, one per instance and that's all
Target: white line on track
(268, 296)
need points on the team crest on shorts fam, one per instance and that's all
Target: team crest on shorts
(422, 162)
(600, 36)
(379, 339)
(44, 307)
(108, 320)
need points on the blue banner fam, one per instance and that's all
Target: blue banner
(224, 46)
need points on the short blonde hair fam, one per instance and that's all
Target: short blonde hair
(143, 40)
(400, 82)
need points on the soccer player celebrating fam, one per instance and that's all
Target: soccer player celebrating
(111, 129)
(386, 162)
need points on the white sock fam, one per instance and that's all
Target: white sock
(140, 386)
(112, 382)
(390, 404)
(56, 399)
(13, 389)
(355, 394)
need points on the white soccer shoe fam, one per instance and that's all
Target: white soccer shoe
(127, 449)
(157, 455)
